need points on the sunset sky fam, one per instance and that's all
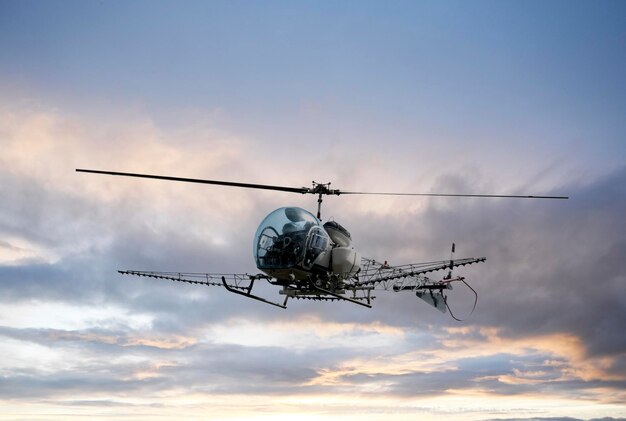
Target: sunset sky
(500, 97)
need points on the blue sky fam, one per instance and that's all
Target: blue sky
(459, 97)
(546, 75)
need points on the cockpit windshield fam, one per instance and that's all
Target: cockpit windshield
(280, 240)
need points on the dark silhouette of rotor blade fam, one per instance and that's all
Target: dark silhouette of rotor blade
(320, 189)
(458, 195)
(201, 181)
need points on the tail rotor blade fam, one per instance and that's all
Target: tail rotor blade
(449, 276)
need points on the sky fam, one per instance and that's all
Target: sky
(516, 97)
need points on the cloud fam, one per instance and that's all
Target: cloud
(560, 266)
(556, 419)
(548, 322)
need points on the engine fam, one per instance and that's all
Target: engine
(346, 261)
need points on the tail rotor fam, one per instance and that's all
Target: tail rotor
(448, 280)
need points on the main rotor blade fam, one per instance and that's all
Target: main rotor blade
(460, 195)
(317, 189)
(201, 181)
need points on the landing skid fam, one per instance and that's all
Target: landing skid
(247, 293)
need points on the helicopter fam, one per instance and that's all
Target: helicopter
(309, 260)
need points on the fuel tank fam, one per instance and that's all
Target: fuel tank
(346, 261)
(338, 234)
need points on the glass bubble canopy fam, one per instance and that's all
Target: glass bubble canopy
(280, 240)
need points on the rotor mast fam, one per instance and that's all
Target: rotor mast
(321, 189)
